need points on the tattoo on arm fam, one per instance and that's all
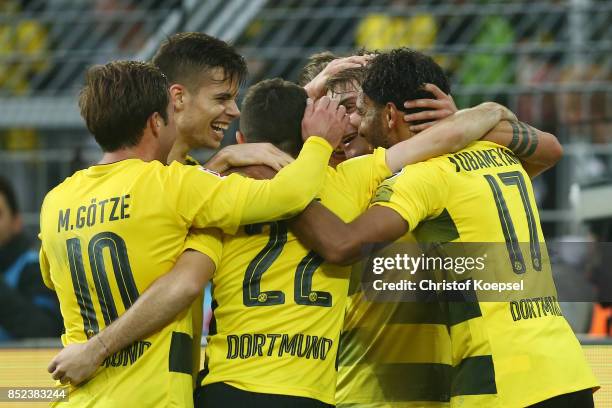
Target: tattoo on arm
(515, 136)
(524, 140)
(534, 142)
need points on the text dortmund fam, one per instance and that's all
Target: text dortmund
(299, 345)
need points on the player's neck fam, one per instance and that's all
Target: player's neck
(399, 134)
(147, 150)
(179, 151)
(125, 154)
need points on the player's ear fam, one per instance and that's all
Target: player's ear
(155, 123)
(391, 115)
(240, 139)
(179, 96)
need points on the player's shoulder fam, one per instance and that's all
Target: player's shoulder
(431, 173)
(446, 163)
(431, 167)
(364, 161)
(177, 168)
(64, 188)
(92, 175)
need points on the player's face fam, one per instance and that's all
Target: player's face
(352, 144)
(371, 125)
(208, 112)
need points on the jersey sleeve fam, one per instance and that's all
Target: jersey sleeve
(416, 193)
(206, 241)
(362, 175)
(45, 269)
(206, 199)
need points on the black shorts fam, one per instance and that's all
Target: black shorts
(221, 395)
(578, 399)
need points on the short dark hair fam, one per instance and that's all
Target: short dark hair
(7, 190)
(399, 75)
(316, 63)
(183, 57)
(272, 111)
(117, 100)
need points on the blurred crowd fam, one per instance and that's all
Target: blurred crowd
(27, 308)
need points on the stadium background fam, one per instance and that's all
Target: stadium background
(549, 61)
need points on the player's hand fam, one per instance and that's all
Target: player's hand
(249, 154)
(75, 363)
(439, 108)
(504, 113)
(507, 114)
(316, 88)
(326, 119)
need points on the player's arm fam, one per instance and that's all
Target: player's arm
(155, 308)
(537, 150)
(448, 135)
(248, 154)
(343, 243)
(45, 269)
(399, 205)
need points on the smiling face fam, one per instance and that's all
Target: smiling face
(352, 145)
(202, 115)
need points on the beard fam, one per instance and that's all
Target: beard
(377, 134)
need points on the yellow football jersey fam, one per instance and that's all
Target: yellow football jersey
(108, 231)
(481, 194)
(278, 309)
(393, 354)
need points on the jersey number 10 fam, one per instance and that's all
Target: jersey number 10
(122, 271)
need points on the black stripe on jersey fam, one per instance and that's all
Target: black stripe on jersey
(212, 326)
(426, 312)
(355, 279)
(414, 381)
(304, 295)
(440, 229)
(459, 312)
(474, 376)
(514, 250)
(81, 288)
(180, 356)
(462, 305)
